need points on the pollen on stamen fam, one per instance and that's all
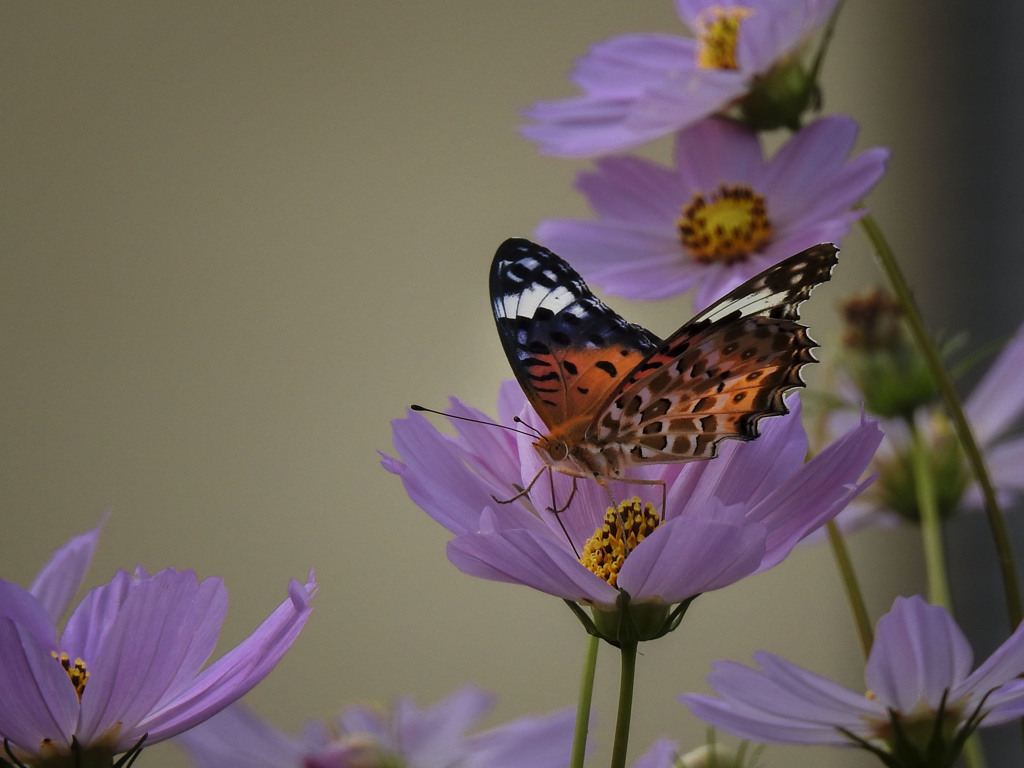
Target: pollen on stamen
(728, 225)
(718, 30)
(620, 533)
(77, 672)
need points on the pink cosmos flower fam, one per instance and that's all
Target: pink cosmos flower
(642, 86)
(721, 216)
(922, 696)
(410, 736)
(126, 669)
(724, 519)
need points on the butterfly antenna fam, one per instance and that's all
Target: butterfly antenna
(479, 421)
(536, 431)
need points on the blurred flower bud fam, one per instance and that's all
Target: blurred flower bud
(880, 358)
(946, 468)
(780, 97)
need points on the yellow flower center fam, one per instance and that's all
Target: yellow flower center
(77, 672)
(623, 528)
(717, 31)
(728, 225)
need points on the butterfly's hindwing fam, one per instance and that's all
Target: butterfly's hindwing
(733, 375)
(722, 372)
(568, 350)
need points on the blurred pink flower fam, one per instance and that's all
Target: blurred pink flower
(410, 736)
(641, 86)
(721, 216)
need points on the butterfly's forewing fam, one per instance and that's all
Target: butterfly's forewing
(568, 350)
(779, 290)
(720, 373)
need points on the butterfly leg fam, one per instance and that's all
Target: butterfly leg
(641, 481)
(604, 484)
(524, 491)
(554, 508)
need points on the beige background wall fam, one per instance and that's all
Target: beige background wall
(239, 238)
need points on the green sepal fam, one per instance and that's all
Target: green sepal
(780, 97)
(629, 623)
(938, 747)
(946, 468)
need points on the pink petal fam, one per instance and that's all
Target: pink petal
(817, 492)
(435, 476)
(523, 557)
(637, 87)
(166, 628)
(998, 399)
(633, 189)
(715, 151)
(435, 736)
(38, 699)
(237, 737)
(85, 633)
(687, 556)
(1007, 704)
(235, 673)
(918, 653)
(57, 583)
(810, 179)
(538, 742)
(21, 607)
(1004, 665)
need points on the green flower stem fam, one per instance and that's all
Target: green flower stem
(586, 696)
(852, 586)
(826, 39)
(931, 523)
(996, 522)
(627, 676)
(973, 756)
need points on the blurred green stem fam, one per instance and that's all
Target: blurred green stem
(627, 677)
(852, 586)
(935, 554)
(930, 522)
(996, 522)
(586, 696)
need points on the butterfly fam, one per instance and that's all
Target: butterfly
(614, 396)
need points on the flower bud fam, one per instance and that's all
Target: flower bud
(945, 466)
(880, 358)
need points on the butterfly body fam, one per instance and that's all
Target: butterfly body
(614, 396)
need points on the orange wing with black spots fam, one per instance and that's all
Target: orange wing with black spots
(613, 395)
